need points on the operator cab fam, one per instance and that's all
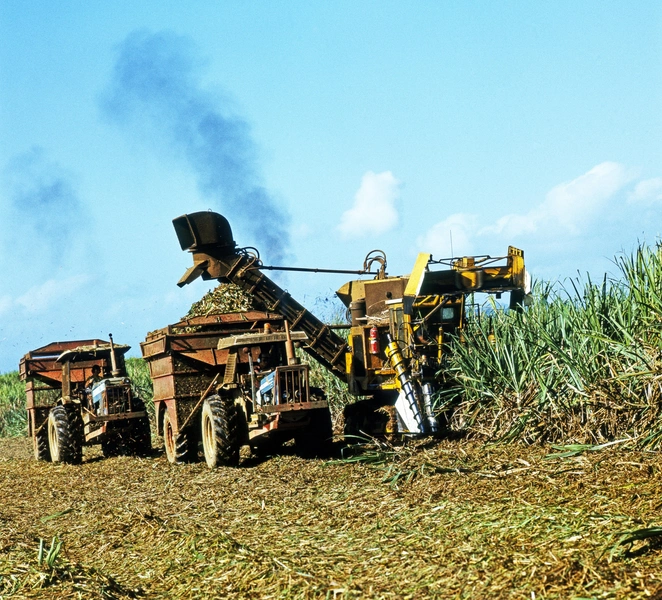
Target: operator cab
(99, 381)
(271, 380)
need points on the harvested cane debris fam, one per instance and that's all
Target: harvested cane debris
(225, 298)
(474, 521)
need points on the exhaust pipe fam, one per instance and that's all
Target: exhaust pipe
(289, 346)
(113, 359)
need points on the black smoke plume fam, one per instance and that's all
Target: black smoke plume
(45, 209)
(156, 89)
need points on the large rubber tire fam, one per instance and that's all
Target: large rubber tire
(221, 431)
(40, 445)
(317, 437)
(180, 448)
(65, 434)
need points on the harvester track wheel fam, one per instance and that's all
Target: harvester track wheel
(221, 431)
(65, 429)
(40, 445)
(179, 447)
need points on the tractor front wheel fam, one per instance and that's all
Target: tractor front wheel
(65, 435)
(221, 431)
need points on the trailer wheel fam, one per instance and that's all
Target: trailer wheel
(221, 431)
(65, 429)
(40, 445)
(179, 448)
(317, 437)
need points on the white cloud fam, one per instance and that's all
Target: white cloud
(458, 228)
(374, 206)
(647, 191)
(573, 204)
(40, 297)
(568, 207)
(512, 225)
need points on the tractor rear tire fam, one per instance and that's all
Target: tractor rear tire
(180, 448)
(221, 431)
(40, 445)
(65, 433)
(317, 437)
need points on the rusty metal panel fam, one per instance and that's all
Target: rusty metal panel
(294, 406)
(153, 346)
(181, 385)
(164, 387)
(160, 366)
(378, 292)
(54, 349)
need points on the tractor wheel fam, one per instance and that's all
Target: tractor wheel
(221, 431)
(40, 445)
(65, 429)
(317, 437)
(179, 448)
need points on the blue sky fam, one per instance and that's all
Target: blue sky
(353, 125)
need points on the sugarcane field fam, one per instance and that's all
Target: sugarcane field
(331, 300)
(540, 478)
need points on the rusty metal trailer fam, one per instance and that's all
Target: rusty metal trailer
(229, 380)
(78, 393)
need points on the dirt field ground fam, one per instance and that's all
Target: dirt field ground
(448, 520)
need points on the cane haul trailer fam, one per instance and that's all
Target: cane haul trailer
(230, 380)
(393, 358)
(78, 394)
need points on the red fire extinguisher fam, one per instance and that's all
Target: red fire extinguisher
(374, 340)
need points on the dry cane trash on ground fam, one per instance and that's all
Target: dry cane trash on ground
(436, 519)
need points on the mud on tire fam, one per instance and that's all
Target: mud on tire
(221, 431)
(65, 434)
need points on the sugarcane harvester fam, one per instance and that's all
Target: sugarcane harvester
(400, 328)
